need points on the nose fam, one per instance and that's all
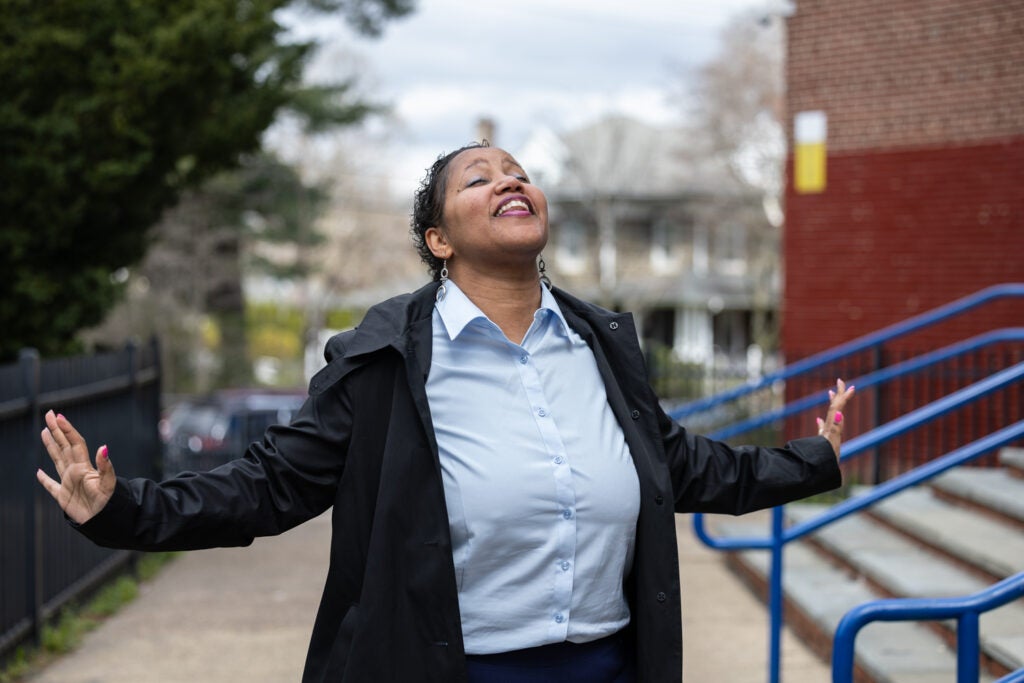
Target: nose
(509, 183)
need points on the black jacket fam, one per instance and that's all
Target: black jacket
(363, 443)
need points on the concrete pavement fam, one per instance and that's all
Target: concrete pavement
(227, 615)
(725, 628)
(213, 616)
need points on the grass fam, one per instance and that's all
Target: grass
(65, 633)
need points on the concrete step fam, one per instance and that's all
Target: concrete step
(995, 547)
(992, 488)
(1013, 460)
(819, 594)
(900, 567)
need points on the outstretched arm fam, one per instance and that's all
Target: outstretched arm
(712, 476)
(83, 490)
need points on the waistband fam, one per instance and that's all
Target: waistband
(558, 653)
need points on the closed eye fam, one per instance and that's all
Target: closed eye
(476, 181)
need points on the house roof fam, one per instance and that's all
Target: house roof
(621, 156)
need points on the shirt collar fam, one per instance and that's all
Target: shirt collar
(457, 311)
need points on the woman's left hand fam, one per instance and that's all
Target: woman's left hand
(831, 426)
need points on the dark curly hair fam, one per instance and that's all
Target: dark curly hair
(428, 205)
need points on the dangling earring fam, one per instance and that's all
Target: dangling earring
(442, 290)
(542, 270)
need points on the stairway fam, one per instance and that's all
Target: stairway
(955, 537)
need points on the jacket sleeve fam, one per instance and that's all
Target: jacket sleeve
(712, 476)
(286, 479)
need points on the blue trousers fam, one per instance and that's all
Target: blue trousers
(609, 660)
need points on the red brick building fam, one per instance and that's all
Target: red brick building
(924, 195)
(923, 199)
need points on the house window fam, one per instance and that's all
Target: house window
(731, 333)
(570, 247)
(701, 258)
(730, 249)
(664, 250)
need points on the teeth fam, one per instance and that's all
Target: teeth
(513, 205)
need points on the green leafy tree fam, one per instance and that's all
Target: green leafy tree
(109, 109)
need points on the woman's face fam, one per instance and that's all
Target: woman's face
(493, 216)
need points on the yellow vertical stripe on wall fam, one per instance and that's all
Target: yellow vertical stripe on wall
(809, 167)
(810, 131)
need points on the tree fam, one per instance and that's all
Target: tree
(109, 109)
(736, 107)
(736, 101)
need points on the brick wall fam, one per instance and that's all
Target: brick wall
(898, 73)
(925, 194)
(899, 232)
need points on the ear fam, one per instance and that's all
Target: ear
(437, 243)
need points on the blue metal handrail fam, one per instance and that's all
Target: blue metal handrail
(780, 536)
(966, 610)
(1009, 334)
(1014, 677)
(876, 437)
(936, 315)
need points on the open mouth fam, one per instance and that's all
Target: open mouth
(514, 206)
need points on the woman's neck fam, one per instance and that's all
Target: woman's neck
(509, 302)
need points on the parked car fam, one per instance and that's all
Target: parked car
(202, 433)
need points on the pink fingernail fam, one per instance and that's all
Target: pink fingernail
(838, 417)
(103, 452)
(61, 415)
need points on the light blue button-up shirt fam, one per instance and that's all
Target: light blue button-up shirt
(541, 491)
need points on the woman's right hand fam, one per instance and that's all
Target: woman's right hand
(83, 490)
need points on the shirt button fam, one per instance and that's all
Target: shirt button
(565, 566)
(661, 596)
(559, 618)
(542, 412)
(567, 514)
(523, 359)
(613, 325)
(635, 414)
(559, 460)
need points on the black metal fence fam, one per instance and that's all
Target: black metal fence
(112, 398)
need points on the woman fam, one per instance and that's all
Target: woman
(502, 478)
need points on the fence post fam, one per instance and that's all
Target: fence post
(776, 598)
(154, 345)
(878, 354)
(968, 664)
(131, 350)
(29, 361)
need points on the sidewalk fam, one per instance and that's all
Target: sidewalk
(725, 628)
(213, 616)
(245, 614)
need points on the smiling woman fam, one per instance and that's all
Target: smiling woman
(503, 479)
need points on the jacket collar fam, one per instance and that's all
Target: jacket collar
(388, 323)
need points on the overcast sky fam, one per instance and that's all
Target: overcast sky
(526, 64)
